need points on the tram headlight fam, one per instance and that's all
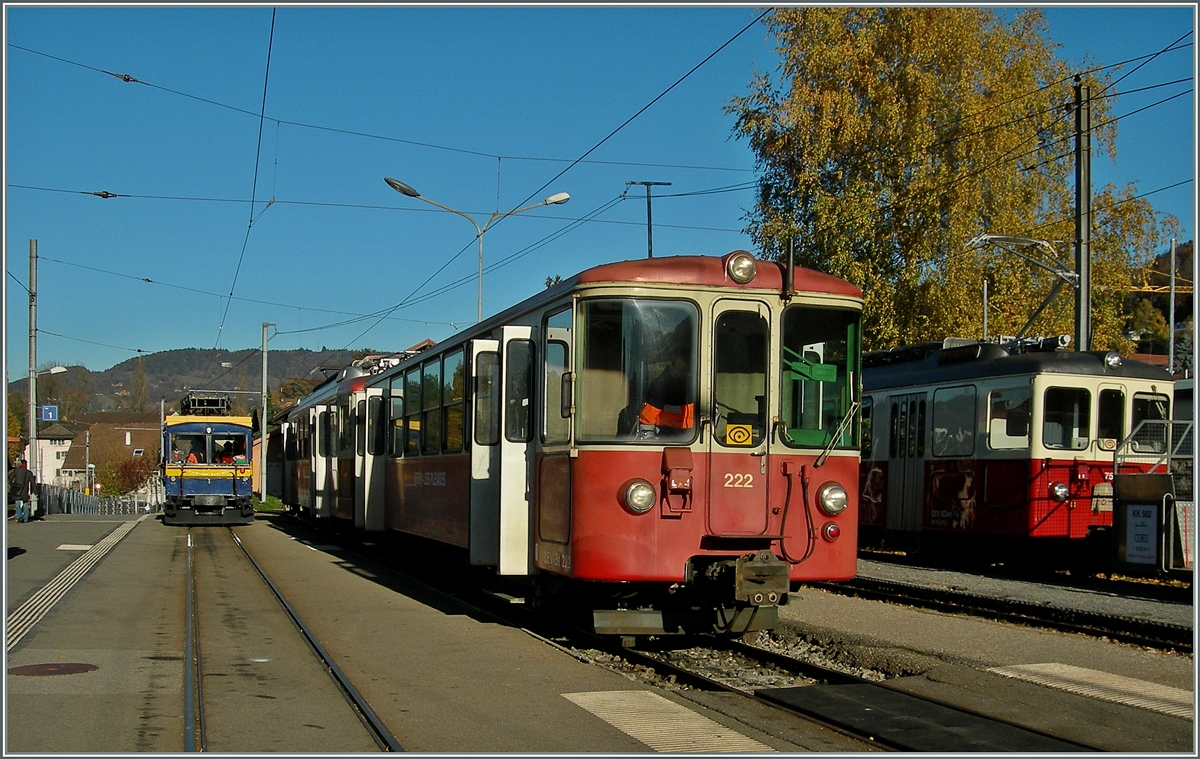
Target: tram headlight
(1059, 491)
(832, 498)
(742, 268)
(639, 496)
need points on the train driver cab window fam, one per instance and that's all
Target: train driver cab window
(188, 449)
(740, 378)
(637, 370)
(1111, 422)
(229, 448)
(1153, 408)
(1067, 418)
(954, 421)
(821, 356)
(1008, 418)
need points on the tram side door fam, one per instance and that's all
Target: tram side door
(483, 537)
(516, 449)
(906, 455)
(323, 470)
(738, 446)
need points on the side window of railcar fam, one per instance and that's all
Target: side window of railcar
(1111, 422)
(954, 421)
(453, 384)
(868, 436)
(396, 414)
(323, 433)
(556, 426)
(360, 428)
(487, 405)
(349, 422)
(377, 440)
(1067, 413)
(431, 412)
(518, 391)
(412, 412)
(1008, 418)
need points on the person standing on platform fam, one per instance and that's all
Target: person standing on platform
(20, 481)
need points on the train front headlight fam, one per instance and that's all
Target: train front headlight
(1059, 491)
(639, 496)
(742, 268)
(832, 498)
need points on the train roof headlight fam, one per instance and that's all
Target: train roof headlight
(832, 498)
(1112, 359)
(742, 268)
(639, 496)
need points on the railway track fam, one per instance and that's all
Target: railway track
(196, 702)
(1136, 631)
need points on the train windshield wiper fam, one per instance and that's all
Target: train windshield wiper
(837, 433)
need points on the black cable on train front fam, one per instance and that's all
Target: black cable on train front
(379, 731)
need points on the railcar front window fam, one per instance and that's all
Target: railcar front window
(637, 371)
(1066, 418)
(188, 449)
(820, 375)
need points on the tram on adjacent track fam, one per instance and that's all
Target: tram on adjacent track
(206, 467)
(998, 450)
(669, 442)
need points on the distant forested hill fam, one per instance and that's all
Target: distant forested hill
(168, 375)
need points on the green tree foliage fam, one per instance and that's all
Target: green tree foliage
(18, 413)
(895, 136)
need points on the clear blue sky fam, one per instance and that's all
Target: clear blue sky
(481, 109)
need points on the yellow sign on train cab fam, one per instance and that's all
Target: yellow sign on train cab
(739, 434)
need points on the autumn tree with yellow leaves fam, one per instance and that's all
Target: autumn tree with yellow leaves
(893, 137)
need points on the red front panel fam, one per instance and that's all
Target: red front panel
(610, 543)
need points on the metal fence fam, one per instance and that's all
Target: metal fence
(58, 500)
(1167, 446)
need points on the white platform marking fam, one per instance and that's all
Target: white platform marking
(662, 724)
(1102, 685)
(73, 547)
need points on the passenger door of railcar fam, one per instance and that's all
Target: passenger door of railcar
(906, 455)
(737, 447)
(516, 450)
(483, 537)
(323, 469)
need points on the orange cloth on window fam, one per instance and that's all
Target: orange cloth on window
(675, 417)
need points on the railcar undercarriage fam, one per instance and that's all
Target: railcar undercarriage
(208, 509)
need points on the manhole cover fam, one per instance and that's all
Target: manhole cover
(45, 670)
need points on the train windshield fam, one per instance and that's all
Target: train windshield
(820, 360)
(637, 370)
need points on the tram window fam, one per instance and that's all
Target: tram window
(1111, 422)
(740, 378)
(377, 440)
(518, 396)
(229, 448)
(396, 415)
(183, 446)
(954, 421)
(360, 428)
(349, 421)
(821, 355)
(556, 428)
(894, 426)
(323, 434)
(1066, 418)
(431, 412)
(1147, 407)
(412, 412)
(623, 346)
(487, 409)
(1008, 418)
(868, 438)
(921, 429)
(453, 382)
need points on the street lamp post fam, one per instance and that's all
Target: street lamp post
(554, 200)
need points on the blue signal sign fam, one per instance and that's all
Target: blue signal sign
(47, 413)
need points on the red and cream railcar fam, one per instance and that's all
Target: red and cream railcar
(970, 445)
(674, 440)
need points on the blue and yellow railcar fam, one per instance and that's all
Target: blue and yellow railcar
(207, 472)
